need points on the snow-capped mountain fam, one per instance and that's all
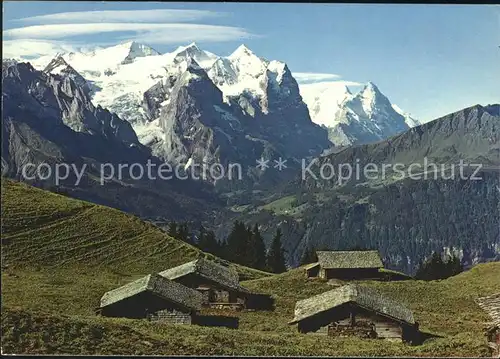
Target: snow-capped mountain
(351, 119)
(59, 66)
(240, 107)
(136, 82)
(323, 100)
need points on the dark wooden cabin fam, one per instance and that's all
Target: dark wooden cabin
(346, 265)
(152, 297)
(491, 305)
(219, 286)
(352, 310)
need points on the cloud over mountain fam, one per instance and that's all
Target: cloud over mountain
(155, 15)
(156, 26)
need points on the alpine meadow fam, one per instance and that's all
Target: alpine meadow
(323, 182)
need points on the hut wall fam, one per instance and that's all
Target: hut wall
(212, 292)
(312, 272)
(205, 295)
(322, 273)
(350, 273)
(171, 316)
(220, 295)
(362, 330)
(493, 336)
(384, 328)
(138, 306)
(351, 320)
(319, 322)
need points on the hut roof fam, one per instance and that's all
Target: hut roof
(491, 305)
(352, 293)
(209, 270)
(311, 266)
(158, 285)
(349, 259)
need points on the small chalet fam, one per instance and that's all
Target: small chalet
(352, 310)
(219, 285)
(152, 297)
(491, 305)
(346, 265)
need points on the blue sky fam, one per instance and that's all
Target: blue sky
(428, 59)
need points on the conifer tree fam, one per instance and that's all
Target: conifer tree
(201, 239)
(435, 268)
(183, 233)
(257, 249)
(237, 243)
(211, 244)
(276, 256)
(172, 230)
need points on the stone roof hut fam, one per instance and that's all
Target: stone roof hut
(218, 284)
(491, 305)
(346, 265)
(153, 297)
(356, 310)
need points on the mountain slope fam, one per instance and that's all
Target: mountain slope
(48, 302)
(44, 229)
(405, 218)
(471, 135)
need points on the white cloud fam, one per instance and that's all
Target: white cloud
(154, 26)
(30, 48)
(152, 33)
(152, 15)
(313, 76)
(322, 86)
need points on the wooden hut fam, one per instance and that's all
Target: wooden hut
(219, 285)
(152, 297)
(346, 265)
(491, 305)
(312, 270)
(352, 310)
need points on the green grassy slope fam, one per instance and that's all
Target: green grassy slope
(63, 254)
(51, 314)
(443, 307)
(44, 230)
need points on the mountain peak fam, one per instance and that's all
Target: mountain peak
(190, 49)
(193, 45)
(370, 86)
(241, 51)
(135, 49)
(138, 48)
(371, 96)
(56, 62)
